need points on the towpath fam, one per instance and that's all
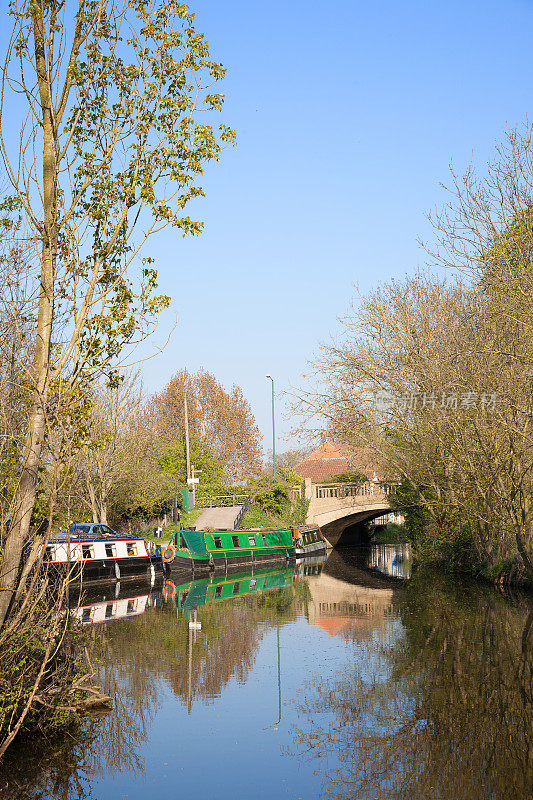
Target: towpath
(219, 519)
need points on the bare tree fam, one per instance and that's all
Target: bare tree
(437, 376)
(101, 461)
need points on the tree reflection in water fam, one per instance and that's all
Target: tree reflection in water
(451, 716)
(133, 656)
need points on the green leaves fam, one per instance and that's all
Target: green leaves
(127, 84)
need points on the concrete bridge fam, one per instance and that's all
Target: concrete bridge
(340, 508)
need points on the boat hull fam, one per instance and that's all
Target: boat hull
(105, 571)
(221, 564)
(88, 558)
(311, 549)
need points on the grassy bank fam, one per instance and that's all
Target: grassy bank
(187, 519)
(285, 515)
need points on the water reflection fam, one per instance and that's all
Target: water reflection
(391, 559)
(192, 594)
(451, 716)
(104, 611)
(385, 689)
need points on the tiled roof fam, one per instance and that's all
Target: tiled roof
(331, 458)
(333, 624)
(321, 469)
(331, 450)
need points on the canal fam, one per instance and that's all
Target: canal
(348, 679)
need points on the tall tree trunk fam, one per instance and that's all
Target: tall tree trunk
(92, 498)
(24, 500)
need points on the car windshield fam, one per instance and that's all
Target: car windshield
(84, 528)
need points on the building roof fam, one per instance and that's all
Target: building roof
(333, 625)
(331, 458)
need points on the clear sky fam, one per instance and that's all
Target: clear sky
(348, 115)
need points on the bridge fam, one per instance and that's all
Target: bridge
(340, 508)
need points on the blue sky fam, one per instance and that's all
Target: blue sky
(348, 115)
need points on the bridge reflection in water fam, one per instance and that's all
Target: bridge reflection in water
(349, 593)
(381, 687)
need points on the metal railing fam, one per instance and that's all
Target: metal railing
(324, 491)
(242, 512)
(221, 500)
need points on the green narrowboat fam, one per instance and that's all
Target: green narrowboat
(192, 594)
(197, 550)
(308, 541)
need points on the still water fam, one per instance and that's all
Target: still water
(347, 679)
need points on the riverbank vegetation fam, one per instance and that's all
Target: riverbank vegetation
(133, 464)
(435, 375)
(117, 104)
(392, 533)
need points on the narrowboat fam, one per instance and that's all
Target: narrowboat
(192, 594)
(111, 610)
(197, 550)
(90, 552)
(308, 540)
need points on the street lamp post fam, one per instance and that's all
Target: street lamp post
(273, 429)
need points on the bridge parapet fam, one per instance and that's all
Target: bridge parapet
(323, 491)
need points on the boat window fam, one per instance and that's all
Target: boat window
(87, 551)
(107, 531)
(251, 539)
(87, 615)
(253, 583)
(183, 543)
(110, 550)
(109, 610)
(235, 540)
(218, 542)
(131, 547)
(48, 553)
(218, 590)
(279, 539)
(97, 530)
(236, 587)
(264, 539)
(132, 604)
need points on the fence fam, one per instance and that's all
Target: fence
(221, 501)
(295, 493)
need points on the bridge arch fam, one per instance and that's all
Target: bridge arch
(340, 509)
